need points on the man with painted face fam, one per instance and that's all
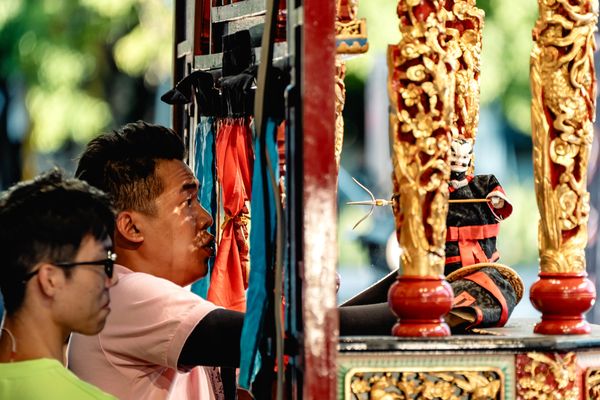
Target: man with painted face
(477, 205)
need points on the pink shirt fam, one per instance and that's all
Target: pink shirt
(135, 356)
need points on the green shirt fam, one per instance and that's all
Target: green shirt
(45, 379)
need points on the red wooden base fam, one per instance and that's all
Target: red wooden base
(562, 298)
(420, 302)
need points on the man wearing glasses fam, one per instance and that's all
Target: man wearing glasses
(55, 272)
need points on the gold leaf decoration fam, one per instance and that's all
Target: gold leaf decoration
(562, 112)
(484, 384)
(421, 90)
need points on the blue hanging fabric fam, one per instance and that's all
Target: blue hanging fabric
(204, 169)
(262, 257)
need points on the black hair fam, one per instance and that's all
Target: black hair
(46, 220)
(123, 162)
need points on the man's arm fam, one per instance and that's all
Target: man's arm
(366, 320)
(215, 341)
(376, 293)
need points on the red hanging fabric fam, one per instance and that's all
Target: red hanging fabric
(229, 279)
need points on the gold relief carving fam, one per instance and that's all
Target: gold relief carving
(464, 26)
(350, 32)
(340, 101)
(370, 384)
(351, 28)
(421, 90)
(550, 377)
(592, 384)
(563, 109)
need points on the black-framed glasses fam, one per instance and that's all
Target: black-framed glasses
(108, 263)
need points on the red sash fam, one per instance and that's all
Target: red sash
(468, 243)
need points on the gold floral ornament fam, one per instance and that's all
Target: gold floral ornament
(547, 376)
(464, 26)
(350, 31)
(351, 39)
(563, 110)
(592, 383)
(484, 384)
(340, 101)
(421, 91)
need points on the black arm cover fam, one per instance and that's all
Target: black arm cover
(365, 320)
(215, 341)
(376, 293)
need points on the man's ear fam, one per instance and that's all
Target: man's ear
(128, 226)
(49, 278)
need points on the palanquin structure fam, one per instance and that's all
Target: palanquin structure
(297, 98)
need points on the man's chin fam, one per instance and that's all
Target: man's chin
(202, 274)
(93, 330)
(198, 274)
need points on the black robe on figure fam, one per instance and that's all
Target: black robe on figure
(472, 227)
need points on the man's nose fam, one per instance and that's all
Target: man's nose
(205, 220)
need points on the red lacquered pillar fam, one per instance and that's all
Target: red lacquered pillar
(563, 90)
(420, 86)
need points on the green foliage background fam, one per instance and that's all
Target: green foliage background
(74, 58)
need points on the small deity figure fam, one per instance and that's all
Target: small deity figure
(477, 205)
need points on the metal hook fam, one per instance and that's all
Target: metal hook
(373, 202)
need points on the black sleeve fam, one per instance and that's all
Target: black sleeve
(376, 293)
(215, 341)
(371, 319)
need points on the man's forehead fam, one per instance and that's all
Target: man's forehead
(176, 176)
(170, 169)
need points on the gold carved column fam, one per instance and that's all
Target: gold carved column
(340, 101)
(563, 89)
(351, 39)
(421, 91)
(464, 29)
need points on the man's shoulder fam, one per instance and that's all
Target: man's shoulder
(144, 297)
(138, 285)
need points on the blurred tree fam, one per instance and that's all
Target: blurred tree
(85, 65)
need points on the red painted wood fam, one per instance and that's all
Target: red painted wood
(548, 376)
(319, 197)
(562, 299)
(420, 302)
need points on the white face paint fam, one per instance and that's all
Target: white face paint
(460, 155)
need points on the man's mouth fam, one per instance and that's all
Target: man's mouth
(208, 243)
(210, 247)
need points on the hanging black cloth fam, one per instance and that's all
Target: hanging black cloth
(237, 53)
(199, 85)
